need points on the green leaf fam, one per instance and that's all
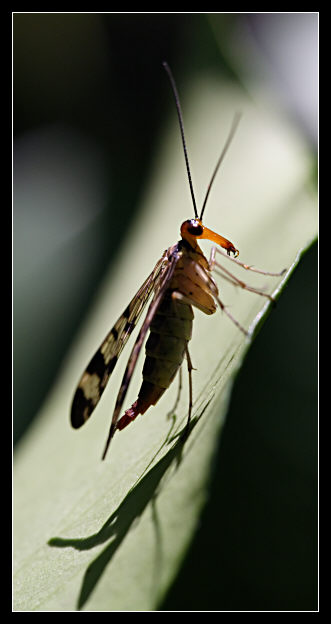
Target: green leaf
(111, 535)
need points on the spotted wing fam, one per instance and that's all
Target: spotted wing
(163, 285)
(101, 366)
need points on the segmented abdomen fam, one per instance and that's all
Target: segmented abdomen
(170, 331)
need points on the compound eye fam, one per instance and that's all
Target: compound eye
(194, 227)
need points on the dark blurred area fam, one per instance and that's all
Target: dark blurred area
(90, 101)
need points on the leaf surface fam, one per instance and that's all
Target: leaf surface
(111, 535)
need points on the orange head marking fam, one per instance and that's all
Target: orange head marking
(193, 228)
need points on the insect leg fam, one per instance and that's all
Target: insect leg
(179, 297)
(232, 318)
(179, 391)
(241, 264)
(232, 278)
(210, 284)
(189, 368)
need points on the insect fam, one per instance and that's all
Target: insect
(180, 280)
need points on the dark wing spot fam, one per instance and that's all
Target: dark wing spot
(81, 409)
(114, 333)
(97, 365)
(127, 311)
(111, 365)
(129, 326)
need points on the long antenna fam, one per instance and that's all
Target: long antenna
(181, 126)
(233, 129)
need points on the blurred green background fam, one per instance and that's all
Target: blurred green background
(90, 103)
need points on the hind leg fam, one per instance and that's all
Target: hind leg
(190, 404)
(171, 413)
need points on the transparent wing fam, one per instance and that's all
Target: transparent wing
(101, 366)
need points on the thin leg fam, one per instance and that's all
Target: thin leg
(237, 282)
(177, 296)
(241, 264)
(171, 412)
(232, 318)
(214, 290)
(189, 368)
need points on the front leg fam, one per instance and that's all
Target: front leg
(248, 267)
(233, 279)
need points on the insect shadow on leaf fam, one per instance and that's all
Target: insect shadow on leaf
(119, 523)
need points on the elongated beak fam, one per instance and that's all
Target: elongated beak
(219, 240)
